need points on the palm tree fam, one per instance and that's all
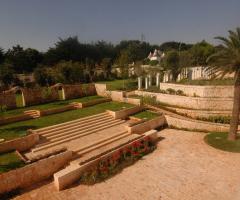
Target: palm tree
(227, 60)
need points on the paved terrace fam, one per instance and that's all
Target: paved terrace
(183, 167)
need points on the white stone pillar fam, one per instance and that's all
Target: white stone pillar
(157, 79)
(149, 80)
(139, 83)
(146, 82)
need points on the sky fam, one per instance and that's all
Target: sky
(40, 23)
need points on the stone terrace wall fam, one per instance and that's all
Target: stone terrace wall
(32, 173)
(201, 91)
(8, 99)
(20, 144)
(191, 102)
(39, 95)
(201, 113)
(196, 125)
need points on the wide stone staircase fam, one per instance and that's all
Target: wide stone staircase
(82, 136)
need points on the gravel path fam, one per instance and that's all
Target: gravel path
(183, 167)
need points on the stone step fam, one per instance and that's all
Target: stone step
(72, 132)
(64, 129)
(48, 145)
(101, 143)
(41, 130)
(104, 148)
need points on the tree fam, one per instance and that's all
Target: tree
(106, 66)
(227, 60)
(200, 52)
(1, 55)
(6, 74)
(44, 76)
(23, 60)
(123, 61)
(172, 62)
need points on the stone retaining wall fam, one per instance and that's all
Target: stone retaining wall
(33, 173)
(191, 102)
(196, 125)
(200, 113)
(201, 91)
(147, 125)
(19, 144)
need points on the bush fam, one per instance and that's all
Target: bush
(217, 119)
(170, 91)
(180, 92)
(114, 163)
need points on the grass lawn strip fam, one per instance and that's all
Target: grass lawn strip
(55, 104)
(10, 161)
(219, 141)
(148, 115)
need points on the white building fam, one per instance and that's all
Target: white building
(156, 55)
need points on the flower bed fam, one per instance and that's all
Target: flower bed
(117, 161)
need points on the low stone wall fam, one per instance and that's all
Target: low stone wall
(147, 125)
(56, 110)
(201, 91)
(200, 113)
(191, 102)
(33, 173)
(116, 95)
(71, 174)
(12, 119)
(123, 114)
(19, 144)
(196, 125)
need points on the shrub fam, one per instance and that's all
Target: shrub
(112, 164)
(170, 91)
(217, 119)
(180, 92)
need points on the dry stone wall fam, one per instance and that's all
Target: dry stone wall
(8, 100)
(39, 95)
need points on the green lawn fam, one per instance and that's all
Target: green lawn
(219, 141)
(10, 161)
(148, 115)
(123, 84)
(18, 129)
(55, 104)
